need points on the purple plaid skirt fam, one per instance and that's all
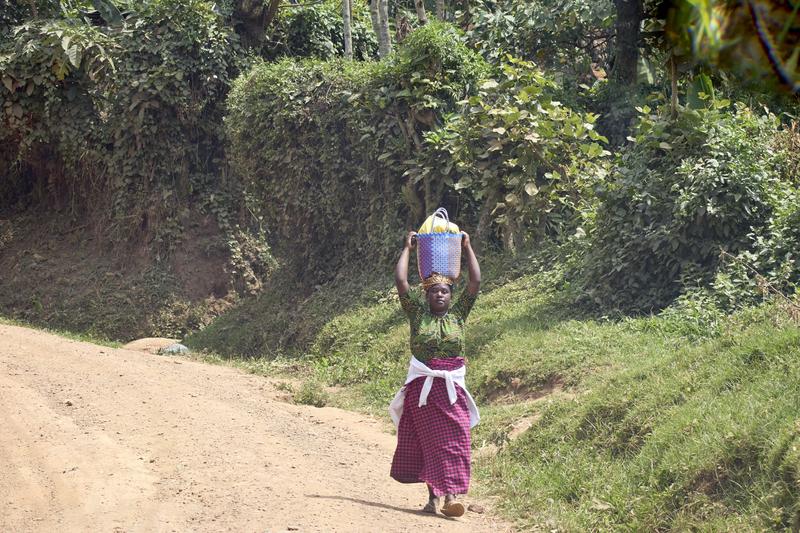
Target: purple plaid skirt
(433, 441)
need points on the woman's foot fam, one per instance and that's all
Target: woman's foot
(432, 506)
(452, 508)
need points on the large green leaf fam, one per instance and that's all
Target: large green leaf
(74, 55)
(109, 11)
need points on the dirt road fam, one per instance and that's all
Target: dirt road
(101, 439)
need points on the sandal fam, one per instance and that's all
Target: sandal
(453, 509)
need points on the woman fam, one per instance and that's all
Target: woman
(433, 411)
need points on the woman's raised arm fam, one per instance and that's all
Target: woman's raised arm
(474, 283)
(401, 270)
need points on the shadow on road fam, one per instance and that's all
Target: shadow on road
(417, 512)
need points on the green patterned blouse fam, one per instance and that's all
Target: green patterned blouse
(435, 337)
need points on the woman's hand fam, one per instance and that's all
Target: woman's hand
(401, 270)
(465, 244)
(411, 240)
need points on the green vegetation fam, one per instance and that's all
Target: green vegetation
(668, 435)
(311, 393)
(315, 30)
(349, 128)
(218, 170)
(711, 180)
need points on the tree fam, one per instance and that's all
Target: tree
(419, 5)
(348, 34)
(253, 18)
(626, 56)
(379, 11)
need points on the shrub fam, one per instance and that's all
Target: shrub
(322, 146)
(433, 69)
(528, 162)
(121, 122)
(568, 36)
(120, 119)
(686, 190)
(312, 393)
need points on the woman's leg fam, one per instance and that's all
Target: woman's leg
(433, 502)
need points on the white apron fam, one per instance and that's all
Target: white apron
(417, 369)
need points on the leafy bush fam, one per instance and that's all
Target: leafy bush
(433, 69)
(130, 107)
(122, 121)
(14, 12)
(771, 268)
(312, 393)
(784, 242)
(685, 190)
(321, 146)
(529, 161)
(567, 36)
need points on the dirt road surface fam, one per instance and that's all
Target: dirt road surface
(101, 439)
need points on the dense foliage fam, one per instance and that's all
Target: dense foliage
(524, 160)
(571, 37)
(145, 126)
(121, 121)
(322, 147)
(685, 191)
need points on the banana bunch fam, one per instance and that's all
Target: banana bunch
(438, 222)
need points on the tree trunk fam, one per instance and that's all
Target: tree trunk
(384, 38)
(434, 191)
(626, 53)
(483, 231)
(420, 7)
(254, 19)
(465, 17)
(347, 31)
(272, 10)
(440, 9)
(416, 208)
(673, 76)
(375, 15)
(510, 231)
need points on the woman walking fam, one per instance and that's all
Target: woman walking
(433, 411)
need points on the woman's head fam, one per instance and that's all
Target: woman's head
(438, 292)
(439, 296)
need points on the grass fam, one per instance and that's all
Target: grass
(72, 335)
(286, 317)
(701, 436)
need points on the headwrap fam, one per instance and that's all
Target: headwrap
(435, 279)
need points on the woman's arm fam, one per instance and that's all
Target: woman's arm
(474, 283)
(401, 270)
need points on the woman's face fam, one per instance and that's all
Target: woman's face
(439, 298)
